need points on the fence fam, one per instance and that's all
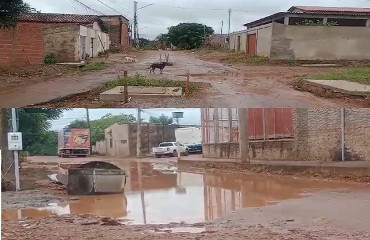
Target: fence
(221, 125)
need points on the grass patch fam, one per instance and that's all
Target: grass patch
(139, 80)
(95, 66)
(359, 75)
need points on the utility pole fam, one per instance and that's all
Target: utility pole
(135, 25)
(89, 127)
(16, 154)
(243, 135)
(229, 23)
(222, 27)
(138, 143)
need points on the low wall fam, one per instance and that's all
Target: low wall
(320, 42)
(258, 150)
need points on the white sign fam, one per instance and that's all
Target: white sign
(15, 141)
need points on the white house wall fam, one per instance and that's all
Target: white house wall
(101, 41)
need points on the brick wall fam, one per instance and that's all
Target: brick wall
(318, 134)
(115, 28)
(61, 40)
(22, 45)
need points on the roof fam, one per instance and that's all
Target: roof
(58, 18)
(331, 10)
(312, 10)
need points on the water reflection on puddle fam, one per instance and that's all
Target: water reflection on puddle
(156, 195)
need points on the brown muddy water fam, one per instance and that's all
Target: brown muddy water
(159, 194)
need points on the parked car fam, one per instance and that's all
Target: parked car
(195, 148)
(170, 149)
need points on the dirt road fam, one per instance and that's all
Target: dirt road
(230, 85)
(161, 202)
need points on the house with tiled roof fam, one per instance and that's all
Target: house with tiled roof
(69, 37)
(308, 33)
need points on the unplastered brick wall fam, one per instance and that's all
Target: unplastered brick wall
(61, 40)
(22, 45)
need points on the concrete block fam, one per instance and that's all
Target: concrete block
(346, 87)
(116, 94)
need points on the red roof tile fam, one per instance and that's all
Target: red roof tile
(58, 18)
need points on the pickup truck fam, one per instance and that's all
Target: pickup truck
(170, 149)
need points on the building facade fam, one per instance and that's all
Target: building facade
(289, 134)
(308, 33)
(69, 37)
(121, 139)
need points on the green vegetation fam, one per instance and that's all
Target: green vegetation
(189, 35)
(163, 120)
(244, 58)
(50, 59)
(360, 75)
(98, 126)
(34, 125)
(95, 66)
(308, 22)
(139, 80)
(10, 11)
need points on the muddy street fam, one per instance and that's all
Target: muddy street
(163, 202)
(228, 85)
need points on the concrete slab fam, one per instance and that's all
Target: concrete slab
(322, 65)
(116, 94)
(72, 64)
(346, 87)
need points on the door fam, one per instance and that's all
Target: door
(238, 44)
(82, 47)
(252, 44)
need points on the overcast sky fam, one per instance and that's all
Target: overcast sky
(155, 19)
(191, 115)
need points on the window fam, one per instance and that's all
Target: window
(111, 143)
(166, 144)
(349, 22)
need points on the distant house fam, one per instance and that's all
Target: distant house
(308, 33)
(70, 37)
(118, 28)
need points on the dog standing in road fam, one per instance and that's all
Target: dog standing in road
(160, 66)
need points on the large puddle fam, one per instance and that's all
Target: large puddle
(157, 194)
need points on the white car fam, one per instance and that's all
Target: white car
(170, 149)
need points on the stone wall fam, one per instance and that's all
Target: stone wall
(61, 40)
(320, 42)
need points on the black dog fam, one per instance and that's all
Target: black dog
(160, 66)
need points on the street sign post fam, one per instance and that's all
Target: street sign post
(15, 141)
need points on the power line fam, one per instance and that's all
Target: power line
(109, 6)
(88, 7)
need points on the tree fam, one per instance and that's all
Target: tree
(162, 41)
(10, 11)
(163, 119)
(34, 123)
(189, 35)
(98, 126)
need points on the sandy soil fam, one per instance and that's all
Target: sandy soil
(228, 85)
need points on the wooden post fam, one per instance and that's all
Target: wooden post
(187, 85)
(125, 88)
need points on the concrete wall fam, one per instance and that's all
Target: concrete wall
(118, 143)
(188, 135)
(61, 40)
(22, 45)
(264, 36)
(266, 150)
(320, 43)
(95, 41)
(100, 148)
(234, 41)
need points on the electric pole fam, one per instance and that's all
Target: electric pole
(222, 27)
(135, 25)
(138, 143)
(89, 127)
(229, 23)
(16, 154)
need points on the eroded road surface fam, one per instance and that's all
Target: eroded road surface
(230, 85)
(162, 202)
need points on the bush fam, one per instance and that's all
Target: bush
(50, 59)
